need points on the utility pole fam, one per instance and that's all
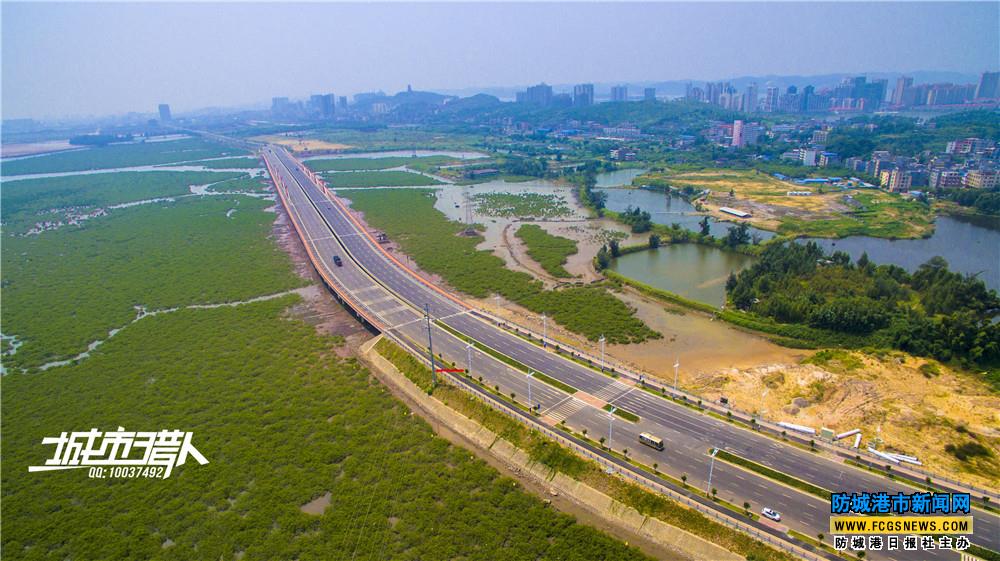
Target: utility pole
(611, 421)
(545, 331)
(430, 345)
(710, 466)
(602, 340)
(677, 365)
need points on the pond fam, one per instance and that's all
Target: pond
(669, 209)
(970, 244)
(618, 178)
(691, 270)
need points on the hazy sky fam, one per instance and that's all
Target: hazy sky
(79, 59)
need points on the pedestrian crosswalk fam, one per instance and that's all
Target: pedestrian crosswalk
(564, 408)
(611, 391)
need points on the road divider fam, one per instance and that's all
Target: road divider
(773, 474)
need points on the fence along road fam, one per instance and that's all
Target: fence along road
(382, 283)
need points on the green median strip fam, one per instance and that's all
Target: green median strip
(627, 415)
(983, 553)
(508, 360)
(774, 474)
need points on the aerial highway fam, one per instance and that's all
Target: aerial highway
(393, 298)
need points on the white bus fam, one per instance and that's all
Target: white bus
(651, 441)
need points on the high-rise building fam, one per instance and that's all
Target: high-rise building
(903, 83)
(750, 98)
(322, 105)
(746, 134)
(649, 94)
(343, 103)
(989, 86)
(619, 93)
(807, 101)
(899, 181)
(737, 134)
(583, 95)
(280, 106)
(536, 95)
(164, 112)
(771, 99)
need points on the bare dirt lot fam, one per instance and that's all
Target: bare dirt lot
(299, 145)
(35, 148)
(887, 396)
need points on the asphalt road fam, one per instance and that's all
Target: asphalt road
(395, 299)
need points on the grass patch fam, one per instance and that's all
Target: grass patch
(121, 155)
(227, 163)
(66, 288)
(28, 201)
(627, 415)
(282, 421)
(377, 179)
(880, 215)
(425, 234)
(242, 184)
(535, 205)
(354, 164)
(547, 250)
(844, 360)
(774, 474)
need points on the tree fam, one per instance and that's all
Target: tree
(731, 282)
(615, 250)
(603, 258)
(740, 235)
(654, 241)
(705, 227)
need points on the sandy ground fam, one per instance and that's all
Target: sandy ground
(765, 197)
(303, 145)
(31, 149)
(887, 397)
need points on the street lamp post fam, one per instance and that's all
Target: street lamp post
(430, 344)
(468, 358)
(677, 365)
(602, 340)
(531, 406)
(711, 465)
(760, 408)
(545, 331)
(611, 421)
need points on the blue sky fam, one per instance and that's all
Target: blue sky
(92, 59)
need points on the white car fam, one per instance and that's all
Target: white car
(773, 515)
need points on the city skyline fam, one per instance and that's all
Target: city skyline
(389, 46)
